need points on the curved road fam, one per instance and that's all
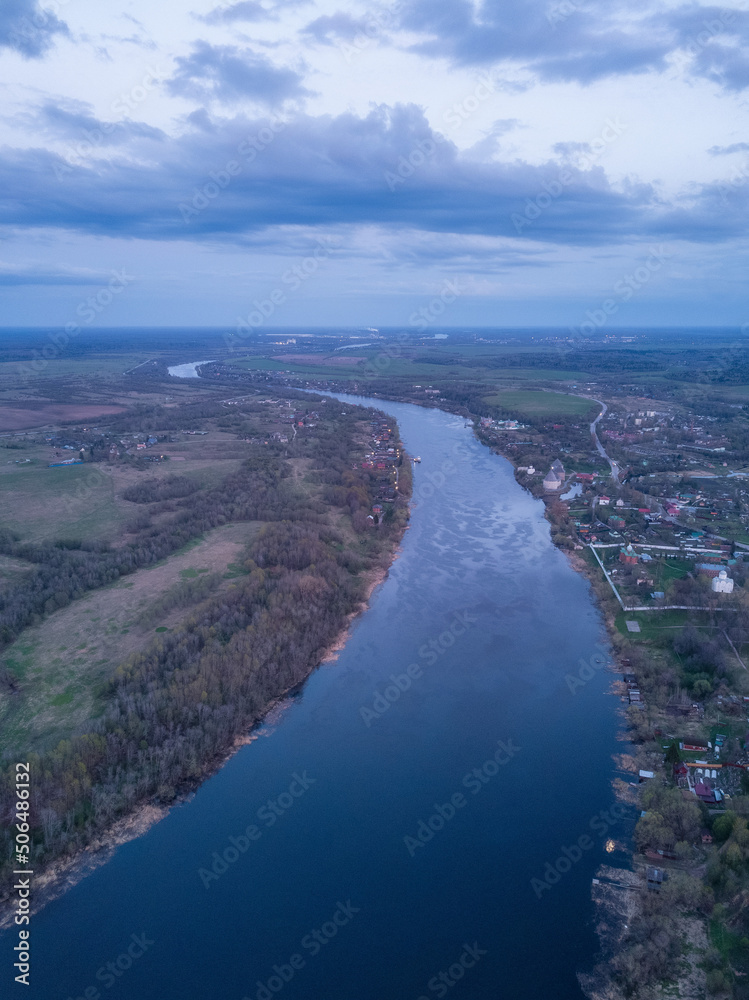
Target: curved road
(601, 450)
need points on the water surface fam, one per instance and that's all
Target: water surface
(495, 620)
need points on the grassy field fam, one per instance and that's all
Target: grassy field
(652, 623)
(533, 403)
(85, 501)
(61, 662)
(74, 501)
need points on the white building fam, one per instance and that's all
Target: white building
(722, 583)
(552, 481)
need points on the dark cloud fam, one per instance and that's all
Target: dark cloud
(235, 180)
(28, 29)
(231, 74)
(565, 40)
(387, 169)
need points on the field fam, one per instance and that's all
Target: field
(15, 418)
(532, 403)
(62, 662)
(73, 501)
(652, 623)
(371, 363)
(85, 501)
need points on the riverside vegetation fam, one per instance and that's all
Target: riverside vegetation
(166, 714)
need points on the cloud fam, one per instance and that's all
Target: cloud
(245, 10)
(71, 119)
(231, 74)
(329, 29)
(565, 40)
(242, 179)
(556, 40)
(736, 147)
(387, 168)
(28, 29)
(38, 275)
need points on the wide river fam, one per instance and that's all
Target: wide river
(410, 809)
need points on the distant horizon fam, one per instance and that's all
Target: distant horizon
(459, 328)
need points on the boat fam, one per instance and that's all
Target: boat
(417, 458)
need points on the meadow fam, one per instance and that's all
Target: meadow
(62, 663)
(535, 403)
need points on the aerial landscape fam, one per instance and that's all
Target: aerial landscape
(374, 500)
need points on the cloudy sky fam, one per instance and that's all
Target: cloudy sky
(345, 164)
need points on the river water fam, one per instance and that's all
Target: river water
(482, 755)
(187, 370)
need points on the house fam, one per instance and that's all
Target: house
(616, 522)
(604, 501)
(710, 569)
(620, 502)
(722, 583)
(655, 878)
(706, 794)
(552, 481)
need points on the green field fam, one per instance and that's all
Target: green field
(63, 661)
(652, 623)
(76, 501)
(533, 403)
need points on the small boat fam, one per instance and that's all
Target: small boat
(417, 458)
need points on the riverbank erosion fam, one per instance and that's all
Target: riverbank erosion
(172, 713)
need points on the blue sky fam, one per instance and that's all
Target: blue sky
(340, 164)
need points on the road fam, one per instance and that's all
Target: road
(601, 450)
(131, 370)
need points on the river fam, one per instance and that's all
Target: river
(446, 719)
(187, 370)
